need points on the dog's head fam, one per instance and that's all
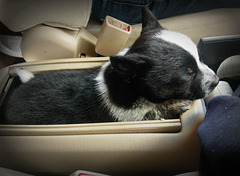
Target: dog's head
(163, 64)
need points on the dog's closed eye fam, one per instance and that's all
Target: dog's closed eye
(189, 71)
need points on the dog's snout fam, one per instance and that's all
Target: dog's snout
(215, 81)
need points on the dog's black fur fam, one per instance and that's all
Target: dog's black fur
(57, 97)
(153, 73)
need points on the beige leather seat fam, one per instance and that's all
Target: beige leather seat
(217, 22)
(10, 172)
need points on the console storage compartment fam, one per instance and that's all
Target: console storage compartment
(116, 148)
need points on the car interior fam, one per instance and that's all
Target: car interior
(58, 35)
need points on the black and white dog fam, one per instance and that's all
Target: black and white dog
(156, 78)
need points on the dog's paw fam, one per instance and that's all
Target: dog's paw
(150, 115)
(181, 106)
(172, 109)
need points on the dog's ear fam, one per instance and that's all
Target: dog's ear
(128, 67)
(149, 21)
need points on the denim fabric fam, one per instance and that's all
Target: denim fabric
(127, 11)
(219, 135)
(130, 11)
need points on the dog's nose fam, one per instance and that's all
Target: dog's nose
(215, 81)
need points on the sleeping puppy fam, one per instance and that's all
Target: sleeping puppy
(156, 78)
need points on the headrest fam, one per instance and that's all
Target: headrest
(229, 68)
(21, 15)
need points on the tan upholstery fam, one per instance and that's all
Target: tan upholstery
(215, 22)
(44, 42)
(86, 173)
(9, 172)
(21, 15)
(190, 174)
(202, 24)
(229, 68)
